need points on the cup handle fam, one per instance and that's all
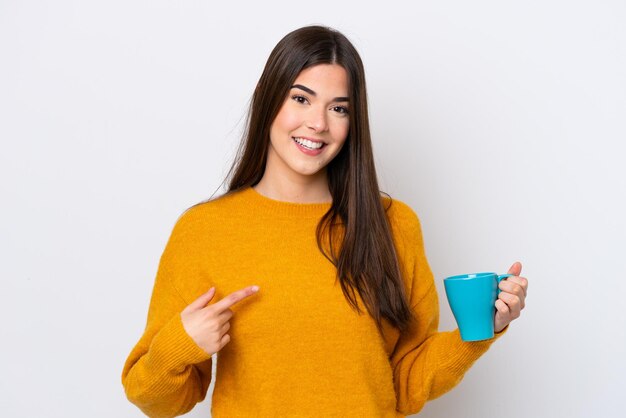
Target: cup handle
(500, 278)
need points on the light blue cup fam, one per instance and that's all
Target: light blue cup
(472, 298)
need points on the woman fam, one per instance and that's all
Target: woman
(343, 317)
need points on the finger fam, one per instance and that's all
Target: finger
(202, 301)
(502, 308)
(225, 340)
(522, 281)
(516, 269)
(513, 302)
(224, 316)
(510, 286)
(233, 298)
(225, 328)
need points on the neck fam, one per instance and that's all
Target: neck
(306, 191)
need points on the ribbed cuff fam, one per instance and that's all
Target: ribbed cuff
(172, 349)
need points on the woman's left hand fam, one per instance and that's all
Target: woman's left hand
(512, 297)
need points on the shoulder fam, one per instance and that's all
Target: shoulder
(401, 216)
(203, 218)
(405, 225)
(207, 212)
(195, 229)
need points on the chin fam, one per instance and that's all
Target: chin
(310, 171)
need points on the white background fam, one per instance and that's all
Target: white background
(501, 123)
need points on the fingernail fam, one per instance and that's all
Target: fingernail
(255, 288)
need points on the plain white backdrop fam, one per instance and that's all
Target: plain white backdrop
(501, 123)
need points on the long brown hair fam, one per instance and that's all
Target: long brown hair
(356, 222)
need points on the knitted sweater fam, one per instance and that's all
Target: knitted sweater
(297, 349)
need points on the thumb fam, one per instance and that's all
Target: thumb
(516, 269)
(203, 300)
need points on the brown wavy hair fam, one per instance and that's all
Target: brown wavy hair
(356, 227)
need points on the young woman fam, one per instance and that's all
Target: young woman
(320, 298)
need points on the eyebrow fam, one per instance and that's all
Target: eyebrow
(312, 93)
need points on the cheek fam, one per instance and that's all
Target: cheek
(286, 121)
(341, 131)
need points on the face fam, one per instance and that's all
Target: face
(312, 124)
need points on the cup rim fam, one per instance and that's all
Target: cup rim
(470, 276)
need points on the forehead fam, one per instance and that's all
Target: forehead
(325, 79)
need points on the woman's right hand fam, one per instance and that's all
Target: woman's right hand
(207, 324)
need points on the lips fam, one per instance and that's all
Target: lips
(310, 139)
(308, 149)
(309, 142)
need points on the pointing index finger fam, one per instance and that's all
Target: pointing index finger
(234, 297)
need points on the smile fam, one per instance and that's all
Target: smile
(308, 143)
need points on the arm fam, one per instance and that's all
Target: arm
(166, 373)
(427, 363)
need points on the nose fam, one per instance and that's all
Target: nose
(316, 119)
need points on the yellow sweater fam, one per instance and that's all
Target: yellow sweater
(297, 347)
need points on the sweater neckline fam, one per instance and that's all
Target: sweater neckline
(265, 205)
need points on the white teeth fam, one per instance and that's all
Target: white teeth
(308, 144)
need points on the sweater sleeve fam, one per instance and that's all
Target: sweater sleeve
(166, 373)
(427, 363)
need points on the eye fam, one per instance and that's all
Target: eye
(299, 99)
(341, 109)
